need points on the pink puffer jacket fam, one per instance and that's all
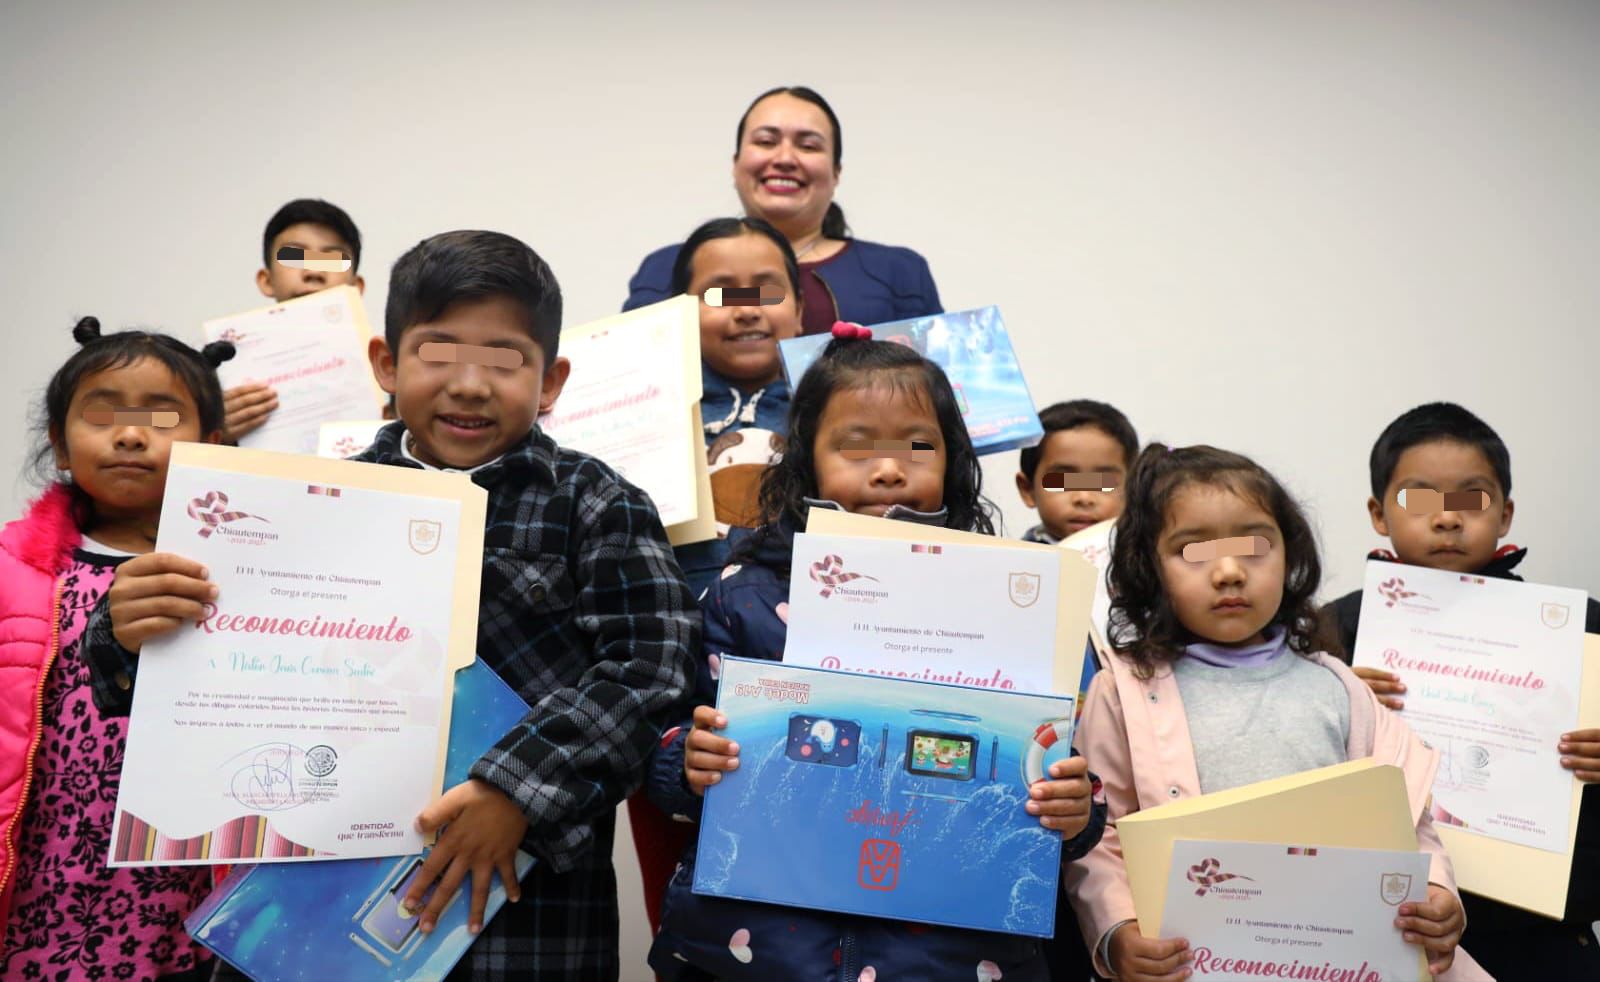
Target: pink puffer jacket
(34, 552)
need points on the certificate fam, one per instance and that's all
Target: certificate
(1074, 589)
(1492, 671)
(305, 715)
(347, 437)
(1252, 910)
(313, 351)
(1094, 544)
(630, 399)
(959, 614)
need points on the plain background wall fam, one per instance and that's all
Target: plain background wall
(1271, 227)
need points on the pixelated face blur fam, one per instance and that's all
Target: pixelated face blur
(459, 411)
(1083, 449)
(119, 463)
(868, 484)
(1229, 599)
(784, 169)
(1459, 541)
(281, 282)
(740, 342)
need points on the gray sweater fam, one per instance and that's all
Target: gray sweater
(1252, 724)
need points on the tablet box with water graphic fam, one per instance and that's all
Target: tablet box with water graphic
(343, 920)
(884, 797)
(974, 349)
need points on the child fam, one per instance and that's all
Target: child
(859, 390)
(1228, 650)
(744, 406)
(745, 399)
(66, 915)
(308, 224)
(1443, 447)
(583, 609)
(1080, 437)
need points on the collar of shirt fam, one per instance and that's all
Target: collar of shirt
(534, 453)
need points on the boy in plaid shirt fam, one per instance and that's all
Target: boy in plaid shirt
(583, 609)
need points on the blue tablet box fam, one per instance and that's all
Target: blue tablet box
(341, 919)
(884, 797)
(975, 351)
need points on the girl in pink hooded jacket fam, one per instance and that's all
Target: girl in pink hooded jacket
(111, 415)
(1218, 680)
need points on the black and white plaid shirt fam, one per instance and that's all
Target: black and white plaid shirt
(585, 613)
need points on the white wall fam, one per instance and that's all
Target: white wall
(1267, 226)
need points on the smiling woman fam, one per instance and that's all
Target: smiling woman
(788, 158)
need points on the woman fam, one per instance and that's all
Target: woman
(786, 165)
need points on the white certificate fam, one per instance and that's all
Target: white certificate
(313, 351)
(1492, 670)
(964, 615)
(1094, 544)
(305, 715)
(1254, 910)
(347, 437)
(627, 402)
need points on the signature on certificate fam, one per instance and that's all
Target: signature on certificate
(266, 781)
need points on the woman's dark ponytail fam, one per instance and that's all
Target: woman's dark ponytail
(833, 224)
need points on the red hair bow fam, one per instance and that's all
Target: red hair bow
(847, 331)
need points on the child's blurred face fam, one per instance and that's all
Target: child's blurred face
(741, 343)
(1083, 449)
(122, 466)
(869, 481)
(460, 414)
(1229, 599)
(1458, 541)
(282, 282)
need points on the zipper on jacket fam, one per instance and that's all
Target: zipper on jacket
(847, 958)
(13, 833)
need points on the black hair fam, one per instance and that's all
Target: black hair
(1144, 627)
(194, 370)
(1082, 412)
(1434, 422)
(833, 223)
(727, 228)
(452, 267)
(847, 364)
(313, 211)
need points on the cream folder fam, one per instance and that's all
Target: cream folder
(1074, 597)
(1360, 804)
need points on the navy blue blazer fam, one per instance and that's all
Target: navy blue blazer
(872, 283)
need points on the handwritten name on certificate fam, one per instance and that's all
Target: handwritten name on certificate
(313, 351)
(964, 615)
(301, 716)
(1256, 910)
(1492, 670)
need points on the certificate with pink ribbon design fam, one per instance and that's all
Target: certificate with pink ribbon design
(304, 715)
(1263, 910)
(935, 611)
(312, 351)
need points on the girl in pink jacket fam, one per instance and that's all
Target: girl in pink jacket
(111, 415)
(1219, 680)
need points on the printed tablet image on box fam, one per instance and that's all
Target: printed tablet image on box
(885, 797)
